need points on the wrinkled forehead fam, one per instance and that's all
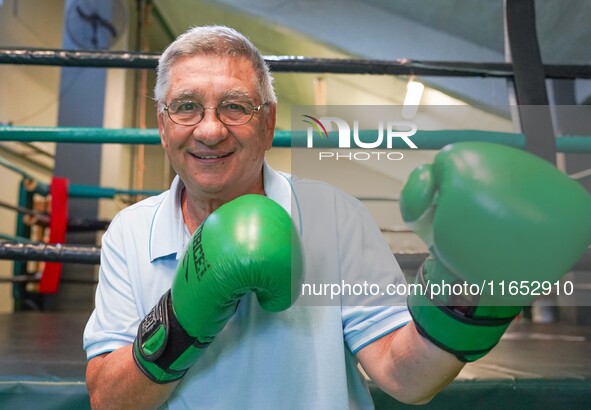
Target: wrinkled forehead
(244, 62)
(227, 76)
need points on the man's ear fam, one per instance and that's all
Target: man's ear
(161, 119)
(270, 120)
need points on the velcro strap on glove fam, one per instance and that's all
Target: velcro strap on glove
(161, 341)
(468, 338)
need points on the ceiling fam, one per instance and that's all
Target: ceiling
(444, 30)
(563, 29)
(376, 28)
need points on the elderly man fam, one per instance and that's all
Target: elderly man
(175, 319)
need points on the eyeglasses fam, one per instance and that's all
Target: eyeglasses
(229, 112)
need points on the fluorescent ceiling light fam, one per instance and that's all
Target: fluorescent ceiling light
(412, 100)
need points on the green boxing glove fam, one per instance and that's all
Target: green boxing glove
(248, 244)
(488, 213)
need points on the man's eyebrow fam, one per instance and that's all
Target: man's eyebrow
(228, 95)
(236, 95)
(185, 95)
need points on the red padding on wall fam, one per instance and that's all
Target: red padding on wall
(57, 232)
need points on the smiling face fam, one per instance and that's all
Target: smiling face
(216, 161)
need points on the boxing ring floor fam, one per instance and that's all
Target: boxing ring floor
(535, 366)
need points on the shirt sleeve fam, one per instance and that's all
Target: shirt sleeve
(114, 321)
(375, 308)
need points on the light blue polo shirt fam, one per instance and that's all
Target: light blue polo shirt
(299, 358)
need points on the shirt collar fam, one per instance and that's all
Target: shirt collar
(279, 188)
(169, 234)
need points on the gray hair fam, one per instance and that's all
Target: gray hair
(218, 41)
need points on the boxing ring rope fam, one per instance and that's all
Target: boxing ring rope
(284, 64)
(74, 190)
(95, 192)
(73, 224)
(424, 139)
(90, 255)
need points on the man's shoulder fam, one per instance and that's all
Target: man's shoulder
(141, 210)
(318, 191)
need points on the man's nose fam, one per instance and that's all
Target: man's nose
(210, 129)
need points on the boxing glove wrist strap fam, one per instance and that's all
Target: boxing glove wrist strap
(448, 327)
(162, 342)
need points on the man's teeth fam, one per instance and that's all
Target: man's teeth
(210, 156)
